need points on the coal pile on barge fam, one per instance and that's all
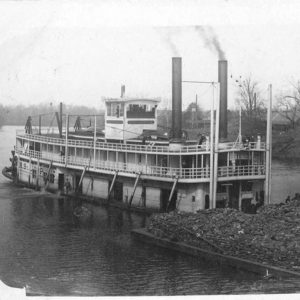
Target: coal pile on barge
(272, 236)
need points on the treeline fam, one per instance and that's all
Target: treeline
(195, 120)
(18, 114)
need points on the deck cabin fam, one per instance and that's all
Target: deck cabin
(127, 118)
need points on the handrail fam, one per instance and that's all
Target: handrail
(141, 148)
(156, 171)
(247, 170)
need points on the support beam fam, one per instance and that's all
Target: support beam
(58, 123)
(37, 175)
(48, 175)
(60, 118)
(240, 195)
(40, 124)
(211, 154)
(112, 185)
(48, 172)
(81, 178)
(172, 192)
(95, 140)
(134, 187)
(66, 146)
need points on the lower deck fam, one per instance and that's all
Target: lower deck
(139, 190)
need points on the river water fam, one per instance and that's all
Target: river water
(46, 249)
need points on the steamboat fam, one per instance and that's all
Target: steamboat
(130, 164)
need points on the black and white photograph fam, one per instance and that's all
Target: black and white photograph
(149, 148)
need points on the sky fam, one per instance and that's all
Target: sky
(78, 52)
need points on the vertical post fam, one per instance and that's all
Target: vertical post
(240, 121)
(37, 174)
(268, 149)
(60, 119)
(30, 172)
(211, 177)
(240, 195)
(18, 168)
(216, 153)
(40, 124)
(196, 112)
(270, 145)
(66, 146)
(95, 138)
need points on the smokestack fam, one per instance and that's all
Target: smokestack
(176, 97)
(122, 91)
(222, 78)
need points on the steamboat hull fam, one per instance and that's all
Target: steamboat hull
(151, 177)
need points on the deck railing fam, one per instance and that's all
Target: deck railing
(139, 148)
(248, 170)
(156, 171)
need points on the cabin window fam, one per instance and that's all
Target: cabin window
(141, 111)
(115, 109)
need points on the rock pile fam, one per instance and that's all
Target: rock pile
(271, 236)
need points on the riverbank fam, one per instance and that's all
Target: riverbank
(269, 237)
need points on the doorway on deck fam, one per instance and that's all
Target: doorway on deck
(118, 191)
(61, 181)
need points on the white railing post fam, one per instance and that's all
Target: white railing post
(95, 139)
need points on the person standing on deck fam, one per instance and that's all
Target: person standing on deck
(28, 126)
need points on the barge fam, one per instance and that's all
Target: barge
(238, 263)
(130, 163)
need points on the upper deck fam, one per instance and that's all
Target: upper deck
(136, 146)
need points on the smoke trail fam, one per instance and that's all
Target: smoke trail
(211, 40)
(172, 46)
(167, 37)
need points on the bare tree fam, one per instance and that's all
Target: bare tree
(249, 95)
(252, 107)
(288, 106)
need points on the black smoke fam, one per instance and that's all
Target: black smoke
(211, 40)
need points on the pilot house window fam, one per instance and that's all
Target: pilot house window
(115, 109)
(140, 111)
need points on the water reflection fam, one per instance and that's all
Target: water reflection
(54, 252)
